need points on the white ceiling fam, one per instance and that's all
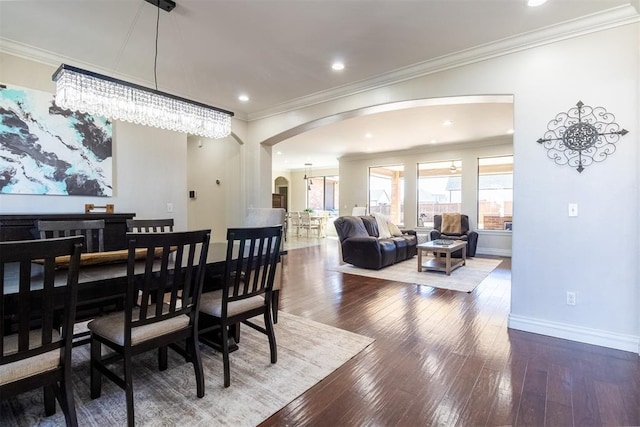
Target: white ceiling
(279, 52)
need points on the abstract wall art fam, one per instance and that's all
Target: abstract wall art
(47, 150)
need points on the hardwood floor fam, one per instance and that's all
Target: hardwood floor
(447, 358)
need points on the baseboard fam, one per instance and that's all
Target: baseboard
(565, 331)
(494, 252)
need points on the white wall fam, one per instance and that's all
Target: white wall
(217, 206)
(552, 253)
(148, 163)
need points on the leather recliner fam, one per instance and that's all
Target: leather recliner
(362, 247)
(471, 237)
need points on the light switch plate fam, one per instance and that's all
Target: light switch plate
(573, 209)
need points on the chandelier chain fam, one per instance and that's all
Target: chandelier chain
(155, 59)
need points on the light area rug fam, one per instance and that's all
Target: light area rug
(307, 352)
(463, 279)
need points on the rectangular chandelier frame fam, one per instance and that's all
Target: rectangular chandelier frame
(93, 93)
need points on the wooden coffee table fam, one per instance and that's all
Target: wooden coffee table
(438, 263)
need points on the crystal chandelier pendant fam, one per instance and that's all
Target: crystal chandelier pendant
(88, 92)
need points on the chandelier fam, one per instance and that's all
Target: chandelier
(307, 175)
(93, 93)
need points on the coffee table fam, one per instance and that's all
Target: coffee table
(438, 263)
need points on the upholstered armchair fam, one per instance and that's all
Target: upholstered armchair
(455, 227)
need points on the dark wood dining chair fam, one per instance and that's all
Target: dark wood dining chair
(92, 230)
(252, 257)
(161, 309)
(150, 225)
(36, 337)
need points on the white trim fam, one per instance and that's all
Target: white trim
(565, 331)
(46, 57)
(493, 251)
(611, 18)
(493, 232)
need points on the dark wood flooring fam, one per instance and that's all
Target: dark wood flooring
(447, 358)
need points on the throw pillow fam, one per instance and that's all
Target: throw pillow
(393, 229)
(383, 228)
(451, 223)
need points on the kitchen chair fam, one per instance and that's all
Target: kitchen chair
(35, 346)
(247, 287)
(294, 218)
(150, 225)
(161, 309)
(307, 223)
(92, 230)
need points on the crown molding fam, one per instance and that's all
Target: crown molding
(611, 18)
(35, 54)
(430, 148)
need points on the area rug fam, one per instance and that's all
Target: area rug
(463, 279)
(307, 352)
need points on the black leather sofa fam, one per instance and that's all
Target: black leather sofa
(361, 246)
(471, 237)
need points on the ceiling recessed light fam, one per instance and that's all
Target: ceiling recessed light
(447, 123)
(243, 98)
(433, 141)
(279, 153)
(510, 131)
(534, 3)
(368, 135)
(337, 66)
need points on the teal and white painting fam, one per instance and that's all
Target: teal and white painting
(47, 150)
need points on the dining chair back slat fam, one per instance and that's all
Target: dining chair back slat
(150, 225)
(37, 335)
(92, 230)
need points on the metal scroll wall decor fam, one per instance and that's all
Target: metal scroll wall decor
(581, 136)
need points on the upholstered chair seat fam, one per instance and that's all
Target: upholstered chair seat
(28, 367)
(211, 304)
(111, 327)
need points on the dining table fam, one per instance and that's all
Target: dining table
(103, 285)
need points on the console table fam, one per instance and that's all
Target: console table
(23, 226)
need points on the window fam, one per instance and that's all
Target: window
(495, 193)
(322, 193)
(439, 190)
(386, 192)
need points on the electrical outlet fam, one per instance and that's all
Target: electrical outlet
(571, 298)
(169, 207)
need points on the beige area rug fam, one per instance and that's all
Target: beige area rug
(307, 352)
(463, 279)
